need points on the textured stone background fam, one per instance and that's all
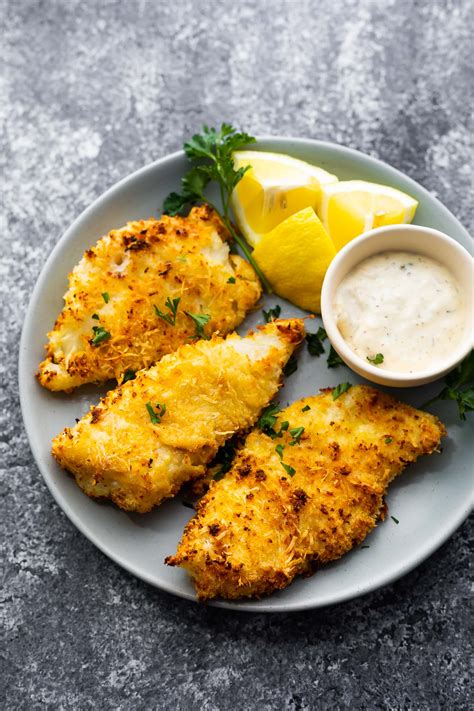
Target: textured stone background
(91, 91)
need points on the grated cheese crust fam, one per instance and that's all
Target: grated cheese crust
(258, 528)
(211, 390)
(137, 267)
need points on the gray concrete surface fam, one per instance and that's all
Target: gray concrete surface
(92, 90)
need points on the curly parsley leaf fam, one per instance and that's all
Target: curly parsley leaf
(315, 341)
(224, 457)
(268, 419)
(340, 389)
(271, 314)
(200, 320)
(459, 387)
(128, 375)
(291, 366)
(334, 359)
(179, 203)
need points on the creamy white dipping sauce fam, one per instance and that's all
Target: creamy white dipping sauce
(406, 306)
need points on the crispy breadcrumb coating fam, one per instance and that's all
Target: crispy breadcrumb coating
(151, 434)
(119, 282)
(259, 527)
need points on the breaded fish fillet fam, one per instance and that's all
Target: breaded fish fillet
(306, 497)
(109, 322)
(151, 434)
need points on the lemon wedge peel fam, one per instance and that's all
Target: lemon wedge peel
(276, 187)
(351, 207)
(295, 256)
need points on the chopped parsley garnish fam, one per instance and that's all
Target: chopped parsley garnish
(388, 440)
(315, 341)
(128, 375)
(334, 359)
(296, 433)
(376, 360)
(200, 320)
(156, 415)
(459, 387)
(289, 469)
(210, 153)
(268, 419)
(95, 316)
(231, 280)
(340, 389)
(279, 450)
(305, 408)
(100, 335)
(284, 426)
(106, 297)
(172, 306)
(290, 367)
(395, 519)
(271, 314)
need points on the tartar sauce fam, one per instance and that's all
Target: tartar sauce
(402, 305)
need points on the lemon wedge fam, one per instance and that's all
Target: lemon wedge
(352, 207)
(295, 256)
(275, 187)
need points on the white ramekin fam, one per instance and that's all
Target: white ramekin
(409, 238)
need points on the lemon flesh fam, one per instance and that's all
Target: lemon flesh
(295, 256)
(276, 187)
(352, 207)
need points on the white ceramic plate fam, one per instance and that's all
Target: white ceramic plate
(430, 500)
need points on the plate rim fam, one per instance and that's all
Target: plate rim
(245, 605)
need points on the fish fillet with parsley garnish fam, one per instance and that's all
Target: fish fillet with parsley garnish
(141, 292)
(153, 433)
(303, 491)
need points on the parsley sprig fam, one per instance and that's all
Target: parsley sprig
(210, 152)
(459, 387)
(172, 306)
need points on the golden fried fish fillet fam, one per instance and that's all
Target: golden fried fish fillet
(151, 434)
(306, 497)
(109, 323)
